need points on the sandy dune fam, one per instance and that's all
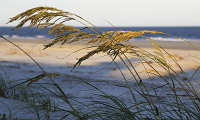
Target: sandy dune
(17, 66)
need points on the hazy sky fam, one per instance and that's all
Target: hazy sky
(118, 12)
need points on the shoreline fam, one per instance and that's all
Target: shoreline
(143, 44)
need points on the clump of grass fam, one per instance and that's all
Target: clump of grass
(112, 43)
(40, 103)
(2, 88)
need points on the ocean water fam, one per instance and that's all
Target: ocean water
(188, 33)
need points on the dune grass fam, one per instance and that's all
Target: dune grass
(180, 105)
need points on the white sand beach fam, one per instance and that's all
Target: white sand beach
(18, 65)
(186, 54)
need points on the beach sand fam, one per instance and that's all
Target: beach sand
(18, 65)
(186, 54)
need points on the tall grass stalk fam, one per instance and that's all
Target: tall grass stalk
(43, 75)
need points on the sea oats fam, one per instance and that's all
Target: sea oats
(44, 25)
(38, 14)
(31, 12)
(60, 29)
(82, 36)
(144, 106)
(65, 38)
(110, 41)
(99, 38)
(35, 79)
